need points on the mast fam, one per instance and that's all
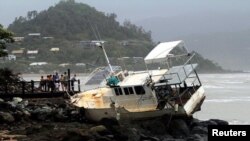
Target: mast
(101, 45)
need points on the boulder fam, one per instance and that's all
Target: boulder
(42, 114)
(26, 113)
(207, 123)
(178, 128)
(17, 99)
(100, 129)
(199, 130)
(219, 122)
(195, 137)
(6, 117)
(148, 138)
(154, 126)
(5, 106)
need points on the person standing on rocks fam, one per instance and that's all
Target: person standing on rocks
(42, 83)
(56, 81)
(73, 79)
(62, 82)
(65, 81)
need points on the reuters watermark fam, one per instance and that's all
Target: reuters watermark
(241, 132)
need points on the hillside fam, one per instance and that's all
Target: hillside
(73, 21)
(69, 26)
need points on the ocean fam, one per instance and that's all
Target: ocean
(227, 96)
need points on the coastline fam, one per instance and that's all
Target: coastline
(55, 119)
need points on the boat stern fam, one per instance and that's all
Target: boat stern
(195, 102)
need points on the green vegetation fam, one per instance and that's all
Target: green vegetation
(69, 23)
(5, 37)
(72, 21)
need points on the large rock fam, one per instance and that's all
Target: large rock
(148, 138)
(100, 129)
(59, 115)
(42, 114)
(219, 122)
(154, 126)
(5, 106)
(6, 117)
(196, 137)
(207, 123)
(199, 130)
(17, 99)
(178, 128)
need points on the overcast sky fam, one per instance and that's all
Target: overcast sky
(133, 10)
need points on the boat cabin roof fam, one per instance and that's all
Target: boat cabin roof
(140, 77)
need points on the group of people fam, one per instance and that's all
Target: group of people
(54, 82)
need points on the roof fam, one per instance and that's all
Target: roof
(49, 37)
(54, 49)
(63, 64)
(18, 39)
(32, 52)
(20, 51)
(80, 64)
(38, 63)
(161, 51)
(34, 34)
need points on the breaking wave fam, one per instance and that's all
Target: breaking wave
(213, 87)
(244, 99)
(238, 122)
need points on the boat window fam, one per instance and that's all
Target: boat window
(128, 90)
(139, 90)
(118, 91)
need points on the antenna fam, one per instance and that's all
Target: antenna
(98, 34)
(101, 45)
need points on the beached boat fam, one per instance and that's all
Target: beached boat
(174, 90)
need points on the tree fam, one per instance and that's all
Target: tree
(5, 37)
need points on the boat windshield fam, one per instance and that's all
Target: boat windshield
(100, 74)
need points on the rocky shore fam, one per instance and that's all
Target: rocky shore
(55, 119)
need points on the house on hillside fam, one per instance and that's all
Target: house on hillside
(18, 53)
(64, 64)
(18, 39)
(34, 36)
(48, 37)
(55, 49)
(38, 63)
(80, 64)
(31, 54)
(9, 57)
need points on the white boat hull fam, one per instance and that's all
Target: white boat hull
(192, 105)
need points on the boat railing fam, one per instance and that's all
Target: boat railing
(92, 74)
(39, 87)
(181, 73)
(185, 64)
